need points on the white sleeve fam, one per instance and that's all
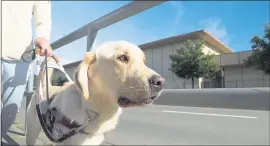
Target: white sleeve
(42, 19)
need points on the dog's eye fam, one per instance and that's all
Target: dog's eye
(123, 58)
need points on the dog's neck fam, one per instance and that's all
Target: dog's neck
(107, 109)
(102, 103)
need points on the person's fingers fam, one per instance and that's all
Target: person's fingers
(42, 51)
(50, 53)
(46, 47)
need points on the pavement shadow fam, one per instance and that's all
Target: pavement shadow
(8, 115)
(9, 141)
(18, 133)
(107, 143)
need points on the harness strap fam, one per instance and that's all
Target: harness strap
(75, 127)
(44, 128)
(75, 130)
(40, 116)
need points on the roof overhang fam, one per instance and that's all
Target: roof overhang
(201, 34)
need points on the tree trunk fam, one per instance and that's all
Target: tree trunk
(192, 80)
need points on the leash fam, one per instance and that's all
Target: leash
(43, 67)
(48, 126)
(46, 73)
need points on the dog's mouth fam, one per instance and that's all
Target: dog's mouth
(125, 102)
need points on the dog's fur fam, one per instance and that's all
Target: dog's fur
(113, 70)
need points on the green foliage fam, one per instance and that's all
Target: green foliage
(190, 62)
(260, 57)
(59, 81)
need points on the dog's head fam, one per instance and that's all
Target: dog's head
(119, 69)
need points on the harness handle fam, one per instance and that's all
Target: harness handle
(38, 51)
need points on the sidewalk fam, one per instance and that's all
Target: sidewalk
(16, 134)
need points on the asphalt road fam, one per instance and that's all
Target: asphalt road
(167, 125)
(171, 125)
(231, 98)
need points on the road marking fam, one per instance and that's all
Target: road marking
(209, 114)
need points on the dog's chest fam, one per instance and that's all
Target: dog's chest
(111, 123)
(104, 126)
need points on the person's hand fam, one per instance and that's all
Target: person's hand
(44, 45)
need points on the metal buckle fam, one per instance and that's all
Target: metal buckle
(76, 130)
(59, 133)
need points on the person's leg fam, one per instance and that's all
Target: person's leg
(14, 79)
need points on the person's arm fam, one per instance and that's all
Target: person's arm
(43, 24)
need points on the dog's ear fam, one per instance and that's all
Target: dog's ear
(81, 75)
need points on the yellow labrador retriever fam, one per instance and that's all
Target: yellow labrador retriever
(112, 77)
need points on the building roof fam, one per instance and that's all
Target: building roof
(200, 34)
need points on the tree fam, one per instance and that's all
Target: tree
(190, 62)
(59, 81)
(260, 57)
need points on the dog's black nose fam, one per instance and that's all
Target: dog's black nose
(157, 82)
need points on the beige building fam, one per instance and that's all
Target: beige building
(235, 75)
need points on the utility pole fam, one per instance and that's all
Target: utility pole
(222, 78)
